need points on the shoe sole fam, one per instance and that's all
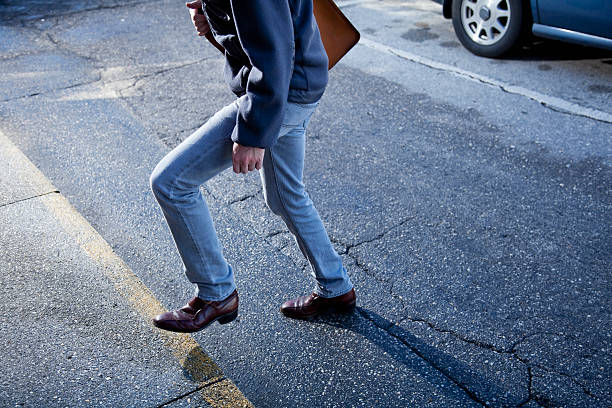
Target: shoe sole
(345, 309)
(223, 319)
(228, 318)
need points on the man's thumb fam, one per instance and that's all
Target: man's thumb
(197, 4)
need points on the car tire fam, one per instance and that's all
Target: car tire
(489, 32)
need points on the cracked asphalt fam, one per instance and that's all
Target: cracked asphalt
(469, 198)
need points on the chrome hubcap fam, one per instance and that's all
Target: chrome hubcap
(485, 13)
(485, 21)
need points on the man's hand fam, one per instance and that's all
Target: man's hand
(247, 159)
(198, 18)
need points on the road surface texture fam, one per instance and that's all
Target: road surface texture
(470, 199)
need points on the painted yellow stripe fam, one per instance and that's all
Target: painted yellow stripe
(217, 390)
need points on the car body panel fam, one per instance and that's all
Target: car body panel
(571, 36)
(446, 7)
(592, 17)
(535, 14)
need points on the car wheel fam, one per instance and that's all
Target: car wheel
(489, 28)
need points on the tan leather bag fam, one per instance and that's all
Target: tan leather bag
(337, 32)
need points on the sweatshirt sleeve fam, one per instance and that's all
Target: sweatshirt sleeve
(265, 31)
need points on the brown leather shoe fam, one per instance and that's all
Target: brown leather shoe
(309, 306)
(199, 313)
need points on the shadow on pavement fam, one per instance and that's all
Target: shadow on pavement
(366, 322)
(543, 50)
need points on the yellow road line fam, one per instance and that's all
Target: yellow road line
(217, 390)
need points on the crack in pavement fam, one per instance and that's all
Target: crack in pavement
(584, 389)
(100, 79)
(29, 198)
(529, 389)
(9, 57)
(64, 48)
(511, 351)
(52, 90)
(448, 374)
(549, 370)
(99, 67)
(123, 96)
(416, 351)
(187, 394)
(275, 233)
(477, 343)
(244, 198)
(532, 397)
(348, 247)
(24, 19)
(137, 78)
(167, 140)
(363, 266)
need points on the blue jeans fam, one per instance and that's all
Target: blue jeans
(176, 185)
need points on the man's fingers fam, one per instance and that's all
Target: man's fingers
(245, 159)
(197, 4)
(240, 165)
(201, 24)
(199, 20)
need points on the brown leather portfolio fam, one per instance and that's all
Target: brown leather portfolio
(337, 32)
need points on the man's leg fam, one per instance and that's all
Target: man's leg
(285, 195)
(176, 185)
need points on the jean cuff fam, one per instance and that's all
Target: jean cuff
(212, 298)
(342, 291)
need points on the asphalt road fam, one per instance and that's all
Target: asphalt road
(470, 198)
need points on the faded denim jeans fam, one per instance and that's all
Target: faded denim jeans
(176, 183)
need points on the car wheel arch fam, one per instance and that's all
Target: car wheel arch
(531, 5)
(447, 8)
